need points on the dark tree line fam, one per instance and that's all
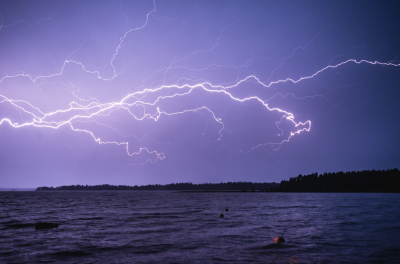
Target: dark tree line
(352, 181)
(223, 186)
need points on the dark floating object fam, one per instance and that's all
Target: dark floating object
(221, 215)
(280, 239)
(226, 210)
(45, 225)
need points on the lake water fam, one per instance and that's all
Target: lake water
(185, 227)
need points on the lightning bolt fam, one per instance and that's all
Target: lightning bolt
(23, 22)
(148, 97)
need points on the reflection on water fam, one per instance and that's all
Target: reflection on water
(174, 227)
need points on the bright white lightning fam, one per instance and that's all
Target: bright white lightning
(92, 107)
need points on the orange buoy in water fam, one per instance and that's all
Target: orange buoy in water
(226, 210)
(280, 239)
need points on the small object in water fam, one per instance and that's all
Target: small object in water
(280, 239)
(226, 210)
(221, 215)
(45, 225)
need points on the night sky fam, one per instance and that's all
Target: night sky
(143, 92)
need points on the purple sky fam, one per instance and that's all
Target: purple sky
(137, 92)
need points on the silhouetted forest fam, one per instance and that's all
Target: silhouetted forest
(188, 186)
(352, 181)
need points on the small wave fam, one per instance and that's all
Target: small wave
(107, 248)
(152, 249)
(336, 245)
(397, 250)
(388, 255)
(71, 253)
(9, 203)
(221, 259)
(160, 230)
(273, 245)
(189, 247)
(230, 236)
(6, 254)
(392, 227)
(157, 215)
(349, 223)
(288, 207)
(90, 218)
(189, 212)
(10, 222)
(263, 227)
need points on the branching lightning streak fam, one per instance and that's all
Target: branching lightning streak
(23, 22)
(91, 108)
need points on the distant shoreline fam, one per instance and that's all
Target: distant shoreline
(196, 191)
(184, 186)
(17, 189)
(367, 181)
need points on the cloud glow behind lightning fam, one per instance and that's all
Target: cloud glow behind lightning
(149, 96)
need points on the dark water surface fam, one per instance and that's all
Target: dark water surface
(174, 227)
